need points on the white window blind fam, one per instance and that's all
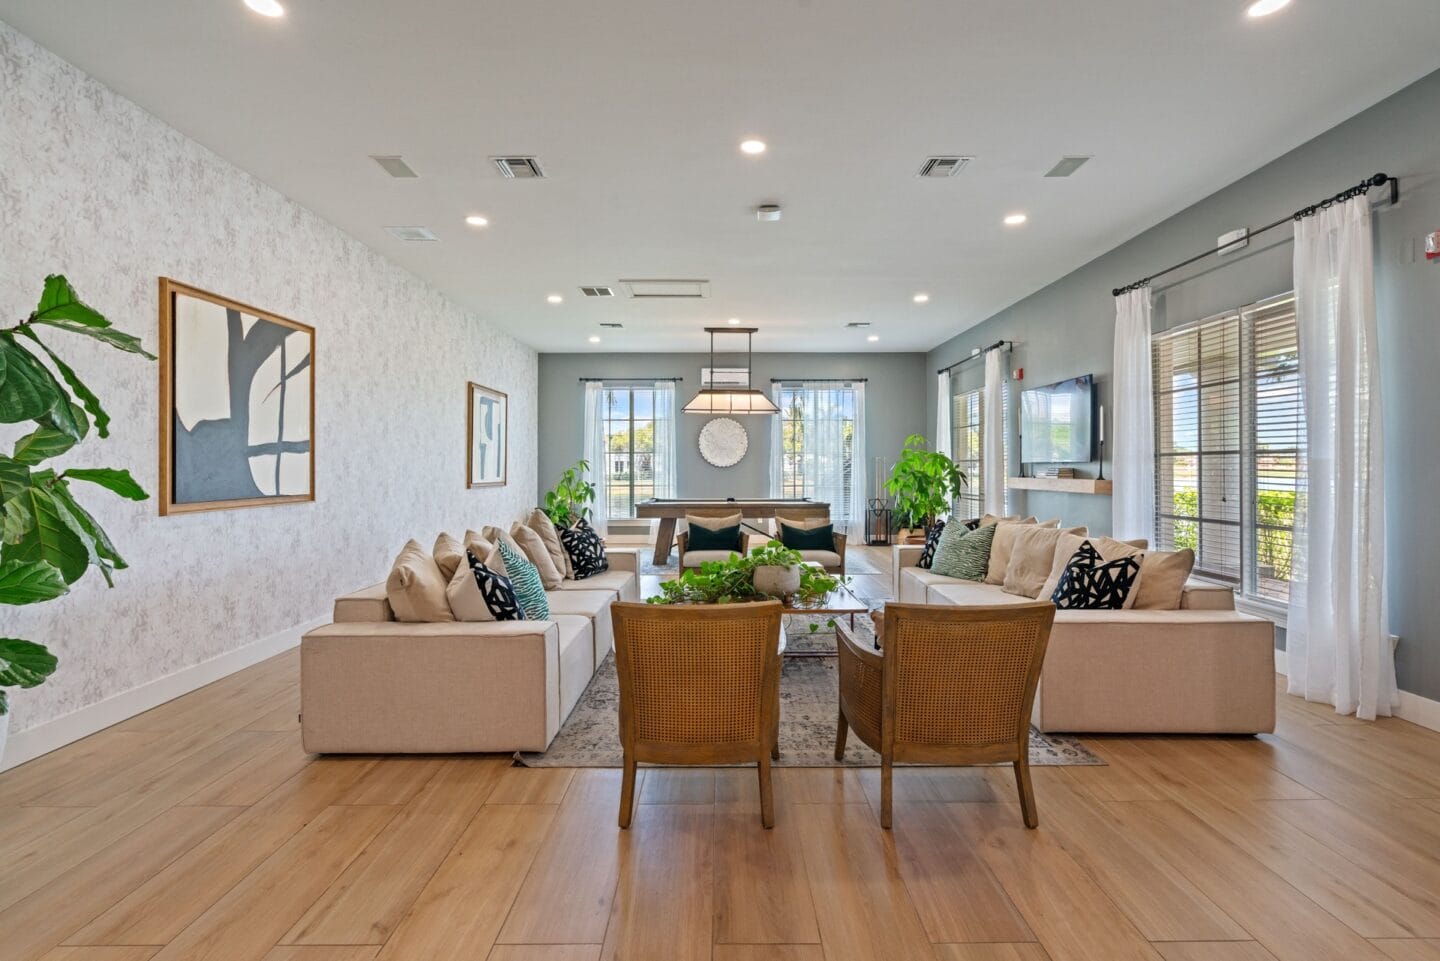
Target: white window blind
(1228, 430)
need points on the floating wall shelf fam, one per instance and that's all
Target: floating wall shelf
(1061, 485)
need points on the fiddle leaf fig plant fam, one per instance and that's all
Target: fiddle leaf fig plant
(924, 483)
(48, 541)
(571, 497)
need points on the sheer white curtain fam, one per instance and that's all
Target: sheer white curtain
(992, 435)
(665, 458)
(858, 516)
(594, 454)
(1337, 639)
(1133, 420)
(944, 431)
(827, 421)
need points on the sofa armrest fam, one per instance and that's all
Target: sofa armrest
(907, 555)
(369, 604)
(623, 559)
(1207, 597)
(840, 541)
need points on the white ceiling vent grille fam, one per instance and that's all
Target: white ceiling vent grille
(858, 324)
(941, 167)
(518, 168)
(598, 291)
(412, 234)
(612, 325)
(395, 167)
(666, 289)
(1067, 166)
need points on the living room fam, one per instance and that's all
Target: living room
(786, 483)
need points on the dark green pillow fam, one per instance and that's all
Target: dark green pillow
(815, 539)
(724, 539)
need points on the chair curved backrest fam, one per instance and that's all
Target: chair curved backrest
(698, 684)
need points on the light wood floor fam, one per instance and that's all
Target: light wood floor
(201, 830)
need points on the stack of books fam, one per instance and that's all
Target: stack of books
(1055, 472)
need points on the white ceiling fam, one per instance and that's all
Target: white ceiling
(636, 108)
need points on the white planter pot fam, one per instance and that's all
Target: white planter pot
(777, 581)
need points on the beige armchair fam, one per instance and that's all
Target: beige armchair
(950, 686)
(698, 685)
(833, 561)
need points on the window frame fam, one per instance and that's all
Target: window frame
(630, 452)
(792, 483)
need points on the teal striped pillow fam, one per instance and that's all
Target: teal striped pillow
(963, 553)
(525, 578)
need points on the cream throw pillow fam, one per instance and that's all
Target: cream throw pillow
(463, 593)
(990, 519)
(416, 588)
(1032, 555)
(541, 524)
(713, 523)
(1168, 570)
(483, 548)
(449, 554)
(1005, 532)
(807, 524)
(551, 576)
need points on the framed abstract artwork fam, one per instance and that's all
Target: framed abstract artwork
(237, 404)
(487, 437)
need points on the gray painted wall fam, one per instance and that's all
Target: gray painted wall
(1068, 327)
(894, 408)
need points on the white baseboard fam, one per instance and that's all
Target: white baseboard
(1413, 708)
(28, 745)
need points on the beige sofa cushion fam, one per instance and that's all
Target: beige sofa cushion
(800, 523)
(497, 535)
(466, 601)
(416, 588)
(449, 554)
(713, 523)
(1032, 556)
(990, 519)
(541, 524)
(1000, 547)
(534, 548)
(1167, 570)
(970, 594)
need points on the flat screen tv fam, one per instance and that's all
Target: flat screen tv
(1056, 422)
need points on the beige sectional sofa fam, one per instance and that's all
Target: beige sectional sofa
(370, 684)
(1202, 669)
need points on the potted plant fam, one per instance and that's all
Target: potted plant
(924, 483)
(569, 501)
(49, 541)
(777, 570)
(734, 580)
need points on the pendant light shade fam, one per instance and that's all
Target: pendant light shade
(731, 400)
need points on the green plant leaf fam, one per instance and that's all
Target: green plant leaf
(108, 335)
(52, 539)
(29, 390)
(41, 445)
(101, 552)
(24, 663)
(87, 397)
(18, 521)
(26, 583)
(117, 481)
(14, 478)
(59, 302)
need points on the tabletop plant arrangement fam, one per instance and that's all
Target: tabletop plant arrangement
(49, 540)
(732, 581)
(569, 501)
(924, 483)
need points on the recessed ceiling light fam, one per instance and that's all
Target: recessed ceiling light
(555, 299)
(752, 146)
(475, 220)
(594, 340)
(1263, 8)
(266, 8)
(921, 298)
(1015, 220)
(733, 321)
(873, 337)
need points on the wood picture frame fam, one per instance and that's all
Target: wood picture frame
(487, 436)
(208, 460)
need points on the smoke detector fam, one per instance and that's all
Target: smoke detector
(767, 213)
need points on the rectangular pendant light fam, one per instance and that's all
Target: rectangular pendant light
(731, 400)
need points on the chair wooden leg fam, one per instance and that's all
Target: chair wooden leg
(767, 795)
(627, 790)
(886, 791)
(775, 737)
(1027, 793)
(842, 731)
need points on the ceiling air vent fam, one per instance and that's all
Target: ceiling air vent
(1067, 166)
(943, 166)
(858, 324)
(518, 168)
(414, 234)
(395, 167)
(613, 326)
(666, 289)
(597, 291)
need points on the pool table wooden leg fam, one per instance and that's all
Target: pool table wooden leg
(664, 540)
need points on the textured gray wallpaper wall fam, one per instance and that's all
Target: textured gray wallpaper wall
(94, 187)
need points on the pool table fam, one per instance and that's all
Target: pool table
(672, 509)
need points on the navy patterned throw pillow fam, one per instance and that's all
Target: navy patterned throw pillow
(497, 591)
(932, 539)
(1090, 584)
(586, 550)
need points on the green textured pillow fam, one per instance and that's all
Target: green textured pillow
(963, 553)
(724, 539)
(525, 578)
(814, 539)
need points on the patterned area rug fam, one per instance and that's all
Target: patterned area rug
(590, 738)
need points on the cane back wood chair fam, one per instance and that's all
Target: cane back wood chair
(699, 684)
(950, 685)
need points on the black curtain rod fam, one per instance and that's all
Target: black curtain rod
(1359, 190)
(819, 380)
(980, 353)
(617, 380)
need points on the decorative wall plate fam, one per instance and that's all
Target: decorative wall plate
(723, 442)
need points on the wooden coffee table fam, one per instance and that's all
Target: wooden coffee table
(841, 602)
